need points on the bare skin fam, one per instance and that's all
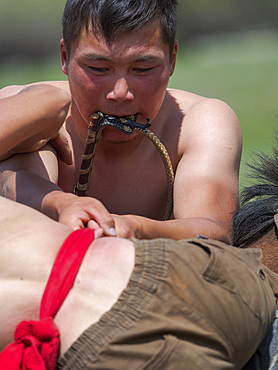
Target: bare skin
(28, 130)
(128, 190)
(27, 253)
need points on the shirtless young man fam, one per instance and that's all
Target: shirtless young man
(120, 64)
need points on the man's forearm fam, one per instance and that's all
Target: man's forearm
(178, 229)
(29, 189)
(41, 194)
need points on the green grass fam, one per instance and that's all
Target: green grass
(241, 69)
(20, 72)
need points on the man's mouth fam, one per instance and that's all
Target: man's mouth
(117, 116)
(131, 117)
(126, 124)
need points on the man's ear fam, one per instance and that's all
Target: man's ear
(64, 57)
(174, 57)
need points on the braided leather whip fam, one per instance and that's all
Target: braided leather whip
(98, 122)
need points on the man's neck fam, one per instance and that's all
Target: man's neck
(76, 125)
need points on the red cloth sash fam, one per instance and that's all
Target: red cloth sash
(37, 343)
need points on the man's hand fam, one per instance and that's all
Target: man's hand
(80, 212)
(127, 226)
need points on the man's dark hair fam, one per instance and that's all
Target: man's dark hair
(113, 18)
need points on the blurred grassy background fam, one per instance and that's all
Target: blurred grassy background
(237, 67)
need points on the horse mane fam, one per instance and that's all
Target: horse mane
(259, 202)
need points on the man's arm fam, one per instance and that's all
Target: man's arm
(32, 179)
(206, 179)
(31, 116)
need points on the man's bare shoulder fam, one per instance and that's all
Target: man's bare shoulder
(185, 98)
(14, 89)
(204, 118)
(189, 102)
(61, 84)
(199, 110)
(177, 105)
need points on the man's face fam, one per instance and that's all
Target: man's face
(130, 76)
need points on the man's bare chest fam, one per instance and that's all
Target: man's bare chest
(128, 186)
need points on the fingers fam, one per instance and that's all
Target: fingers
(98, 233)
(95, 211)
(94, 226)
(105, 222)
(80, 212)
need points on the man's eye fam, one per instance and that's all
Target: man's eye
(143, 70)
(99, 69)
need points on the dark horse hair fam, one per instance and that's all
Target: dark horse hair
(259, 202)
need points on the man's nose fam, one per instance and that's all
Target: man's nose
(120, 91)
